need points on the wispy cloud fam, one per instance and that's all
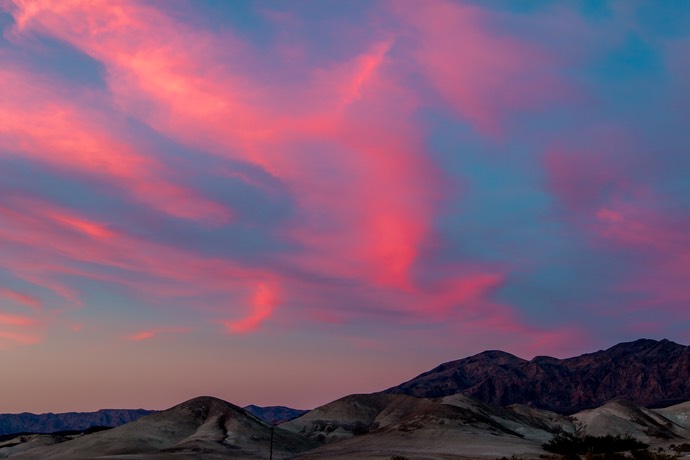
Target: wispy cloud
(454, 169)
(154, 332)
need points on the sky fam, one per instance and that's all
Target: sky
(282, 203)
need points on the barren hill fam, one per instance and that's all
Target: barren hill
(379, 425)
(374, 426)
(203, 427)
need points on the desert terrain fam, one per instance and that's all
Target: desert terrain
(394, 425)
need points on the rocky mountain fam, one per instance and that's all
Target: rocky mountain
(647, 372)
(201, 428)
(275, 414)
(68, 421)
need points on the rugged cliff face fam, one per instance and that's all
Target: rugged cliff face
(647, 372)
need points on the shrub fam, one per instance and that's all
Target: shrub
(568, 444)
(685, 447)
(606, 456)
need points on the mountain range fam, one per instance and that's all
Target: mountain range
(646, 372)
(27, 423)
(68, 421)
(487, 406)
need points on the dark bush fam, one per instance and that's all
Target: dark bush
(647, 455)
(606, 456)
(685, 447)
(568, 444)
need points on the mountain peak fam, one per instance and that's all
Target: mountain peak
(204, 406)
(644, 343)
(497, 356)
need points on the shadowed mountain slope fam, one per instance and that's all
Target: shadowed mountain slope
(646, 372)
(203, 427)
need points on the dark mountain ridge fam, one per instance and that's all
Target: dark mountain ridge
(647, 372)
(67, 421)
(27, 422)
(275, 414)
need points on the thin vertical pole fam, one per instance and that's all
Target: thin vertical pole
(270, 456)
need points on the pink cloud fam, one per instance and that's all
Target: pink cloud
(463, 295)
(74, 239)
(152, 333)
(16, 320)
(482, 74)
(8, 338)
(264, 299)
(180, 90)
(21, 297)
(364, 211)
(592, 175)
(19, 330)
(616, 214)
(581, 178)
(42, 124)
(660, 244)
(607, 215)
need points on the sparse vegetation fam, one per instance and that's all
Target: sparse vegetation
(606, 456)
(567, 444)
(633, 454)
(685, 447)
(647, 455)
(572, 447)
(398, 457)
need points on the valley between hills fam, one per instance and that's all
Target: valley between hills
(489, 406)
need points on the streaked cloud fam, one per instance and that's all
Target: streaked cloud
(460, 173)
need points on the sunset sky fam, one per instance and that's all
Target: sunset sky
(284, 202)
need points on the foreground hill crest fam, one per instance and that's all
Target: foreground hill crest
(646, 372)
(203, 427)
